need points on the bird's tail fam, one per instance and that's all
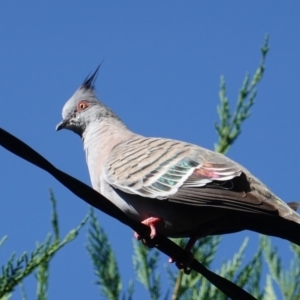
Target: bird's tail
(275, 226)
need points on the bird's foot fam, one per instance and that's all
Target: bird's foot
(151, 223)
(185, 265)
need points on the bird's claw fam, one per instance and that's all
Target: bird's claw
(151, 223)
(186, 270)
(183, 265)
(188, 248)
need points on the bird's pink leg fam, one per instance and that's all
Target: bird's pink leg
(151, 223)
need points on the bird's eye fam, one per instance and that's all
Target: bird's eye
(82, 105)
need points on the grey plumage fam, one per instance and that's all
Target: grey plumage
(193, 191)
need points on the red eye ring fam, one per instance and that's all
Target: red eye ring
(82, 105)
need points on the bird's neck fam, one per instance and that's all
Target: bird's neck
(99, 139)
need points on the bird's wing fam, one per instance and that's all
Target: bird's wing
(187, 174)
(157, 168)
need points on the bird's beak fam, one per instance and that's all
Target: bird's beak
(62, 124)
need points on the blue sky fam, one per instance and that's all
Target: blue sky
(161, 72)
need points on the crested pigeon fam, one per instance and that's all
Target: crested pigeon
(176, 188)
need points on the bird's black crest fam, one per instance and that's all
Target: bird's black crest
(89, 82)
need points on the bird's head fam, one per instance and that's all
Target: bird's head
(83, 108)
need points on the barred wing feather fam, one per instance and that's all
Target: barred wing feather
(157, 168)
(190, 175)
